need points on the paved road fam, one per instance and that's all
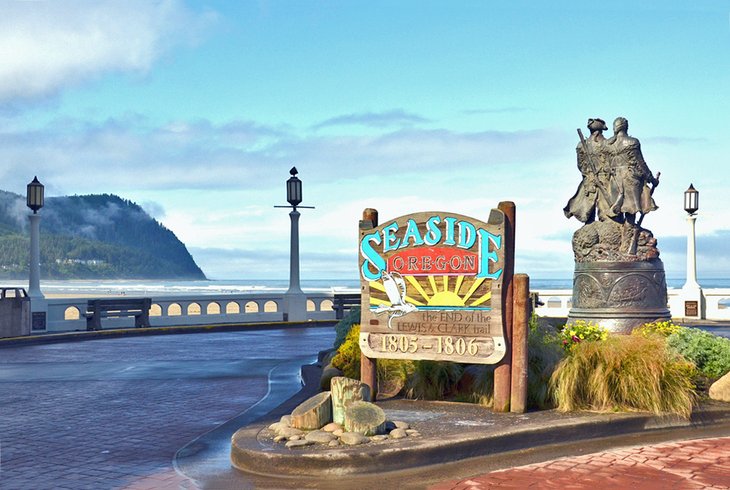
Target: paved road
(111, 413)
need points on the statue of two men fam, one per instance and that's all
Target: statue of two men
(616, 178)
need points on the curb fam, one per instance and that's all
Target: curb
(50, 338)
(253, 452)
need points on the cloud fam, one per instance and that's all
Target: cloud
(72, 156)
(396, 117)
(46, 46)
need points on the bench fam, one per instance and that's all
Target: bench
(97, 309)
(345, 302)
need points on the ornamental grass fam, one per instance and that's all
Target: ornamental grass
(625, 372)
(433, 380)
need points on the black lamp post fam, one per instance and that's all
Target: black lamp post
(34, 196)
(34, 200)
(294, 197)
(691, 200)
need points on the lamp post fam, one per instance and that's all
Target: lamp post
(295, 301)
(35, 201)
(691, 291)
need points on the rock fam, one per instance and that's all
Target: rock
(364, 417)
(379, 438)
(720, 389)
(409, 431)
(289, 432)
(334, 443)
(399, 424)
(286, 420)
(320, 437)
(279, 438)
(345, 391)
(298, 443)
(313, 413)
(398, 434)
(415, 433)
(331, 427)
(328, 373)
(277, 426)
(353, 438)
(296, 438)
(338, 432)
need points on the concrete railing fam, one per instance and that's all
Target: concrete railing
(68, 314)
(557, 303)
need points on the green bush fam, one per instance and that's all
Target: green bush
(347, 359)
(625, 372)
(343, 326)
(545, 351)
(433, 380)
(710, 353)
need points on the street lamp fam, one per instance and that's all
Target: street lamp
(295, 300)
(691, 291)
(34, 200)
(691, 200)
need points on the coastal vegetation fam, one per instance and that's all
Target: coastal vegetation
(661, 368)
(92, 237)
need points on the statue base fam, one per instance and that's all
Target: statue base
(619, 296)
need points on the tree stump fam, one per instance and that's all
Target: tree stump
(313, 413)
(345, 391)
(364, 417)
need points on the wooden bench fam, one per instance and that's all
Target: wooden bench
(345, 302)
(97, 309)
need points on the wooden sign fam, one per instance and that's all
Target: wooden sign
(432, 288)
(691, 308)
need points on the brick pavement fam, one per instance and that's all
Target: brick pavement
(111, 413)
(693, 464)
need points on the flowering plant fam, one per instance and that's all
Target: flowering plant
(665, 329)
(581, 331)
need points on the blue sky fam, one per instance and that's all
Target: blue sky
(197, 110)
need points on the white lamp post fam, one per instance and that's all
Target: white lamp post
(691, 291)
(295, 300)
(35, 201)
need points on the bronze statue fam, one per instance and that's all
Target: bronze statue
(619, 278)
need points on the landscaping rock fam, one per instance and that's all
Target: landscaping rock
(399, 424)
(289, 432)
(720, 389)
(296, 438)
(334, 443)
(379, 438)
(364, 417)
(279, 438)
(398, 434)
(338, 432)
(320, 437)
(331, 427)
(353, 438)
(298, 443)
(313, 413)
(345, 391)
(410, 431)
(286, 420)
(278, 426)
(329, 372)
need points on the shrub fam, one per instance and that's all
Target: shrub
(343, 326)
(433, 380)
(581, 331)
(665, 329)
(392, 375)
(625, 372)
(710, 353)
(347, 359)
(545, 351)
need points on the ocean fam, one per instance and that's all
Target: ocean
(133, 287)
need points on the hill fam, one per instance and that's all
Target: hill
(95, 236)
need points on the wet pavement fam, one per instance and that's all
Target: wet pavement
(112, 413)
(158, 413)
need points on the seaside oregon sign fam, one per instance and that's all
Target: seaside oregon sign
(432, 288)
